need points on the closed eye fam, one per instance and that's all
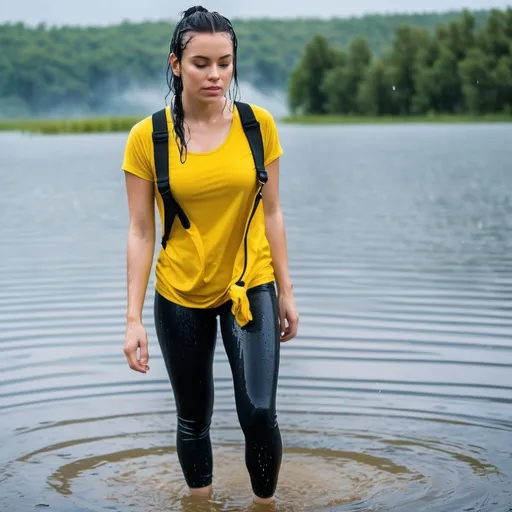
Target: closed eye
(201, 66)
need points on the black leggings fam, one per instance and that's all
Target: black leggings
(187, 339)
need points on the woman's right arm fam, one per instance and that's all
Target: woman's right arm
(139, 259)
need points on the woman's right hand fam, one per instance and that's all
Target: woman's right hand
(136, 338)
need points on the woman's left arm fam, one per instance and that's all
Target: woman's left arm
(276, 236)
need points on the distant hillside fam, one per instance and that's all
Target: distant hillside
(44, 69)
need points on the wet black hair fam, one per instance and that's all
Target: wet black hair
(195, 19)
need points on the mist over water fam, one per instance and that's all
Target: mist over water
(143, 100)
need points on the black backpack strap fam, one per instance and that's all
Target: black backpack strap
(161, 154)
(252, 131)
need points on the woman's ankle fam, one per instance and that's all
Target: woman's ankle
(204, 492)
(264, 501)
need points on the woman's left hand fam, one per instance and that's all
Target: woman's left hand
(288, 316)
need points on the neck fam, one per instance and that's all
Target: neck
(202, 112)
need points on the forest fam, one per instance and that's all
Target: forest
(432, 59)
(460, 68)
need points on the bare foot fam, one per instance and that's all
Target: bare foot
(204, 492)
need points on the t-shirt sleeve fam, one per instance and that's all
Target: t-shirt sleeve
(136, 154)
(271, 142)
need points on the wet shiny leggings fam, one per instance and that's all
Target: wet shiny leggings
(187, 340)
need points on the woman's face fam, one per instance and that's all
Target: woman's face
(207, 65)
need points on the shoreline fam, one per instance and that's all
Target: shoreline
(69, 126)
(125, 123)
(376, 120)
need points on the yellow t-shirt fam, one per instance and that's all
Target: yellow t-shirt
(200, 266)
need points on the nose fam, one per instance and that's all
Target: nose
(214, 72)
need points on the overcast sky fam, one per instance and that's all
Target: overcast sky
(99, 12)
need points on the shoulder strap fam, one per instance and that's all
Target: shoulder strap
(161, 150)
(161, 154)
(252, 131)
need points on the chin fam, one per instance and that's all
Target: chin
(211, 98)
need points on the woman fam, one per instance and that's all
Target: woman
(212, 177)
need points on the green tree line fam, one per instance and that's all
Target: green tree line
(46, 68)
(459, 68)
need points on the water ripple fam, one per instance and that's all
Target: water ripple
(397, 393)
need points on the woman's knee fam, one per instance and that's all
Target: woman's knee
(193, 429)
(258, 420)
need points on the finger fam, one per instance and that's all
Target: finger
(133, 363)
(282, 324)
(294, 327)
(286, 336)
(144, 355)
(291, 331)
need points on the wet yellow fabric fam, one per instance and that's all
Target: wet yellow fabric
(201, 266)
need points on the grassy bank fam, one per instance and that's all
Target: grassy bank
(332, 119)
(61, 126)
(124, 124)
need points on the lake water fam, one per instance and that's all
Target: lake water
(397, 394)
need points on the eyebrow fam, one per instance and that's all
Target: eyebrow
(208, 58)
